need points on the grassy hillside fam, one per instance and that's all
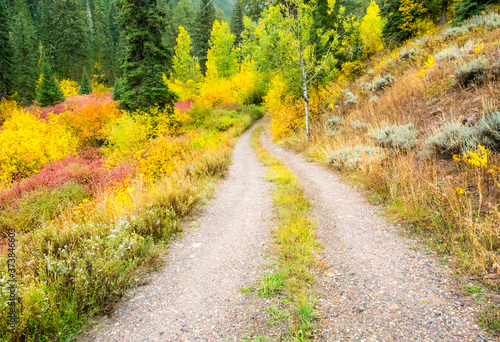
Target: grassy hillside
(420, 131)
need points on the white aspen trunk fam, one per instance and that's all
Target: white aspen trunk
(306, 99)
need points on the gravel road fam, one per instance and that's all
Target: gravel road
(376, 285)
(196, 296)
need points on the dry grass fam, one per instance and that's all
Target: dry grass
(454, 204)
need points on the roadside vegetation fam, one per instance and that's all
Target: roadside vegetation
(288, 282)
(419, 131)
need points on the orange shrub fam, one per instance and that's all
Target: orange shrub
(90, 121)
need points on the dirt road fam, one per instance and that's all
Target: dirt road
(196, 296)
(379, 286)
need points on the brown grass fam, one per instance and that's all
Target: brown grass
(423, 192)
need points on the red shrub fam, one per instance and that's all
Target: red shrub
(184, 106)
(86, 168)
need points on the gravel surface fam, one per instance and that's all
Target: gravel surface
(376, 284)
(196, 296)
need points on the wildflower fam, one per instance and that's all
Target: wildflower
(456, 157)
(479, 159)
(460, 191)
(478, 48)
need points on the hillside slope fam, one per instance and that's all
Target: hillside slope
(420, 131)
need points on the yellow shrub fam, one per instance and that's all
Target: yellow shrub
(7, 108)
(186, 91)
(164, 155)
(286, 111)
(126, 141)
(68, 87)
(214, 91)
(27, 143)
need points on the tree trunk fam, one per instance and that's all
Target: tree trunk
(304, 89)
(444, 8)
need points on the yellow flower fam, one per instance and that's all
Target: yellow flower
(478, 48)
(456, 157)
(460, 191)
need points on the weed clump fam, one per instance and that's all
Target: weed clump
(488, 130)
(402, 137)
(351, 157)
(374, 98)
(381, 83)
(455, 31)
(472, 73)
(351, 99)
(357, 125)
(407, 54)
(453, 138)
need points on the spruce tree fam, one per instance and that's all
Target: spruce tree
(49, 92)
(237, 25)
(105, 49)
(71, 37)
(204, 21)
(147, 56)
(85, 85)
(184, 15)
(6, 52)
(25, 55)
(392, 34)
(117, 89)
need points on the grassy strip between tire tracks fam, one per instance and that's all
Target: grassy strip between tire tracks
(295, 248)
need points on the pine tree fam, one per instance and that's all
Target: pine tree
(237, 25)
(117, 89)
(371, 30)
(6, 52)
(204, 21)
(105, 49)
(184, 66)
(70, 37)
(392, 33)
(465, 9)
(222, 58)
(184, 15)
(25, 55)
(49, 92)
(85, 84)
(147, 56)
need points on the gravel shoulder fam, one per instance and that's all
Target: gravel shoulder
(376, 285)
(196, 297)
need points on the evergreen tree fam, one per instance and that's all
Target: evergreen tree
(47, 31)
(184, 66)
(465, 9)
(85, 84)
(371, 30)
(237, 25)
(392, 33)
(204, 21)
(105, 50)
(253, 8)
(71, 37)
(184, 15)
(25, 55)
(117, 89)
(6, 52)
(147, 57)
(49, 92)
